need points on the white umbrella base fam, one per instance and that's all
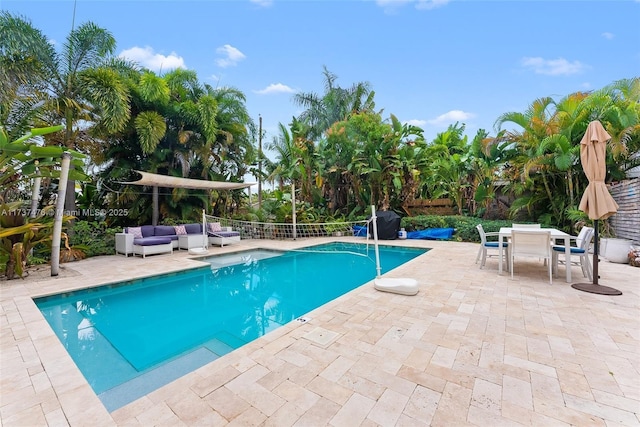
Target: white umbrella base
(396, 286)
(198, 251)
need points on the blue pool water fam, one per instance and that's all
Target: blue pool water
(133, 337)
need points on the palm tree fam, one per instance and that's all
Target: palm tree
(375, 164)
(284, 166)
(79, 86)
(234, 148)
(21, 73)
(412, 159)
(617, 107)
(490, 157)
(447, 175)
(182, 128)
(371, 161)
(296, 159)
(335, 155)
(172, 118)
(335, 105)
(562, 148)
(548, 146)
(536, 123)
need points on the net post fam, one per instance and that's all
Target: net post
(205, 241)
(375, 239)
(293, 208)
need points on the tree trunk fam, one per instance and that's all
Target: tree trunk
(10, 268)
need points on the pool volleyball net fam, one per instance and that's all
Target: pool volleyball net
(287, 231)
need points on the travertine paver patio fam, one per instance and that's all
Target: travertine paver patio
(472, 348)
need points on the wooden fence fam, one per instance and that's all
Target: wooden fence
(430, 207)
(626, 222)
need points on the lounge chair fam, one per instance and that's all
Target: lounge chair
(222, 235)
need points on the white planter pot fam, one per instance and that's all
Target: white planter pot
(616, 250)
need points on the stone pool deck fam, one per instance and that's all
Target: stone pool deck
(472, 348)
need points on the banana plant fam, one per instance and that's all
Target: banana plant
(20, 161)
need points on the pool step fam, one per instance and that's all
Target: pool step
(144, 384)
(219, 261)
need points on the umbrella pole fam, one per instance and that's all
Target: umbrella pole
(596, 252)
(594, 287)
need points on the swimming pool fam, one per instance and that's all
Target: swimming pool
(130, 338)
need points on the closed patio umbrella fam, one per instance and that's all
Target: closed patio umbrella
(596, 201)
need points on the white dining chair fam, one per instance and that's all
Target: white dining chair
(527, 227)
(581, 250)
(533, 244)
(493, 246)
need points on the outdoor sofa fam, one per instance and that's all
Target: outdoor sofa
(156, 239)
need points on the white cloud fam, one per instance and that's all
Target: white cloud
(430, 4)
(553, 67)
(416, 122)
(392, 5)
(231, 56)
(146, 57)
(262, 3)
(451, 117)
(607, 35)
(275, 88)
(387, 3)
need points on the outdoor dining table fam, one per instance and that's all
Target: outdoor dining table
(505, 233)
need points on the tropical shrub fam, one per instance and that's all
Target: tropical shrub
(95, 238)
(20, 234)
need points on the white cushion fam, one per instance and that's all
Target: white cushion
(214, 226)
(136, 231)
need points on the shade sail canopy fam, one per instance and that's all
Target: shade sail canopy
(596, 201)
(155, 180)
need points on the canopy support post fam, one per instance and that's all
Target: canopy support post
(156, 213)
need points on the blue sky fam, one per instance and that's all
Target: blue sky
(430, 62)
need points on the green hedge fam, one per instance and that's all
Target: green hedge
(465, 226)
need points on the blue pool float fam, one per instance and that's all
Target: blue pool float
(431, 234)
